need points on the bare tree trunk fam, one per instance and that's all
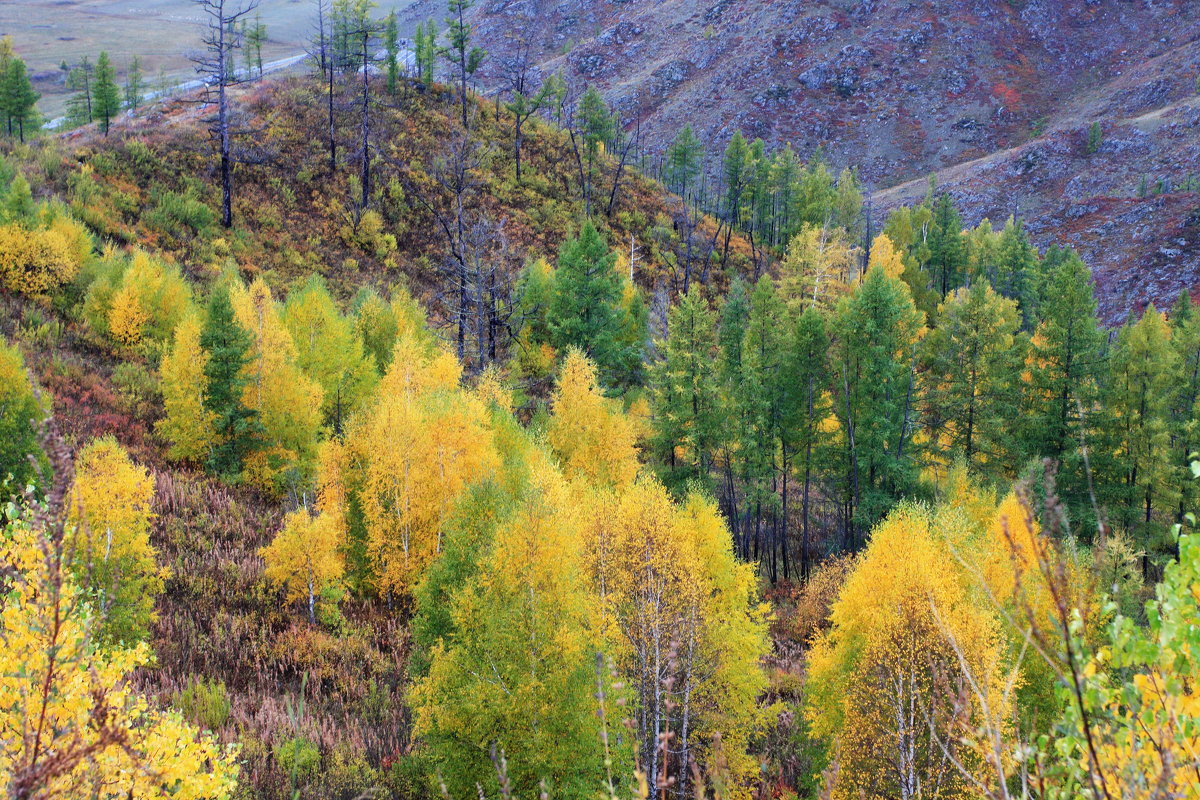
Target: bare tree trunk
(366, 119)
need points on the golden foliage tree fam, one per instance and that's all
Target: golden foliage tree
(420, 446)
(187, 424)
(519, 671)
(818, 267)
(71, 725)
(682, 618)
(111, 511)
(887, 684)
(329, 352)
(590, 434)
(306, 556)
(287, 402)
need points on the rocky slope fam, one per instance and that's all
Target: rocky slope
(994, 95)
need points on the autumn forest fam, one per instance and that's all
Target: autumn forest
(410, 424)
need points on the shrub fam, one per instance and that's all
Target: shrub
(20, 415)
(205, 703)
(298, 757)
(36, 261)
(176, 213)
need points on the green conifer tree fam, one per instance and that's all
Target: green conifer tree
(947, 260)
(874, 377)
(686, 411)
(228, 346)
(972, 360)
(806, 406)
(106, 96)
(135, 84)
(1144, 375)
(683, 163)
(586, 309)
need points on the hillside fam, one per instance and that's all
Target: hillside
(994, 98)
(228, 652)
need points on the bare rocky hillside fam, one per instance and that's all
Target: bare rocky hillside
(993, 95)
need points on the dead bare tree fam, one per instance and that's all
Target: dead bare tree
(321, 51)
(215, 65)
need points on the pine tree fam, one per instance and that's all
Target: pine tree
(135, 84)
(106, 96)
(686, 411)
(586, 309)
(238, 428)
(972, 358)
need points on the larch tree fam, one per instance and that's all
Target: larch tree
(106, 95)
(971, 382)
(284, 399)
(591, 435)
(947, 260)
(1064, 370)
(111, 510)
(135, 84)
(188, 425)
(682, 167)
(760, 400)
(1145, 371)
(17, 96)
(465, 57)
(807, 405)
(586, 311)
(21, 415)
(876, 331)
(686, 409)
(1185, 401)
(329, 352)
(238, 429)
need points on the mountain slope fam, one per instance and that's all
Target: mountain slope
(994, 97)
